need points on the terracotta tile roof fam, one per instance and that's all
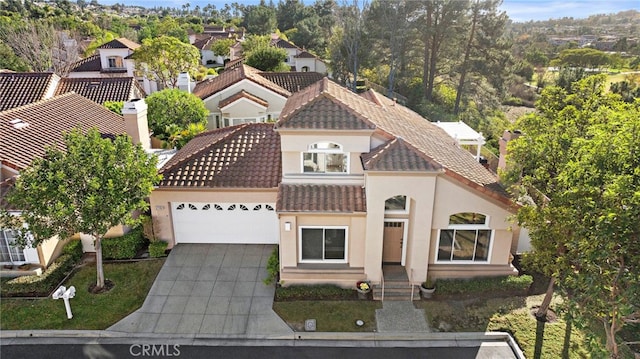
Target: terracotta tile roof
(120, 43)
(316, 108)
(242, 94)
(22, 88)
(102, 89)
(305, 55)
(243, 156)
(398, 155)
(234, 75)
(27, 130)
(91, 63)
(283, 44)
(321, 198)
(204, 43)
(293, 81)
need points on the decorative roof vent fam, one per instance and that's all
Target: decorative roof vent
(18, 123)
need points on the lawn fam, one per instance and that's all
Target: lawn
(330, 316)
(90, 311)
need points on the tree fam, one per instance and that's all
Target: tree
(164, 58)
(267, 58)
(9, 60)
(351, 18)
(32, 41)
(584, 57)
(579, 162)
(97, 183)
(222, 47)
(260, 19)
(289, 13)
(174, 107)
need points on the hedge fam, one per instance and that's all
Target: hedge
(314, 292)
(125, 247)
(40, 286)
(74, 249)
(157, 249)
(480, 285)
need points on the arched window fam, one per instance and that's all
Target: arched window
(305, 68)
(396, 204)
(467, 239)
(325, 157)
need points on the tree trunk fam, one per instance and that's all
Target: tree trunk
(467, 53)
(541, 314)
(427, 52)
(99, 269)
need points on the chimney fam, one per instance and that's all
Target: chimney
(506, 137)
(135, 121)
(184, 82)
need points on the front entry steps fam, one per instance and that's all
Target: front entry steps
(396, 285)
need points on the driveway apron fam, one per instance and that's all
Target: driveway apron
(210, 290)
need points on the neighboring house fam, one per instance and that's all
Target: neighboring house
(243, 94)
(345, 184)
(27, 130)
(112, 60)
(300, 59)
(22, 88)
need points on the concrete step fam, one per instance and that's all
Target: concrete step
(396, 291)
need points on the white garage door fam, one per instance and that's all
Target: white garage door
(225, 222)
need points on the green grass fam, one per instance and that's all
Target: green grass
(330, 316)
(90, 311)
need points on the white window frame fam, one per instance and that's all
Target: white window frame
(115, 59)
(469, 227)
(12, 247)
(339, 150)
(346, 245)
(398, 211)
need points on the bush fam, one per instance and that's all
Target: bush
(36, 286)
(74, 249)
(273, 267)
(507, 284)
(124, 247)
(157, 249)
(314, 292)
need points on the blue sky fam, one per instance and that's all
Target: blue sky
(518, 10)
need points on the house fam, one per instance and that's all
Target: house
(112, 60)
(243, 94)
(299, 59)
(27, 130)
(22, 88)
(346, 185)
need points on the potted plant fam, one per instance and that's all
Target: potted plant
(427, 288)
(363, 288)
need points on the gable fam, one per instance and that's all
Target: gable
(324, 113)
(397, 155)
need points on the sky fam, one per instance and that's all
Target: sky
(518, 10)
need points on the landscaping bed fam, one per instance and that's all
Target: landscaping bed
(314, 292)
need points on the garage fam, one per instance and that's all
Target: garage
(247, 223)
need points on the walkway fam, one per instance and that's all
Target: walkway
(210, 290)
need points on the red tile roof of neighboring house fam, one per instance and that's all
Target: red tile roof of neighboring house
(120, 43)
(22, 88)
(91, 63)
(305, 55)
(293, 81)
(234, 75)
(102, 89)
(321, 198)
(398, 155)
(242, 94)
(243, 156)
(204, 43)
(283, 44)
(27, 130)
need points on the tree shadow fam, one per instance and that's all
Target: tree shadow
(567, 340)
(537, 351)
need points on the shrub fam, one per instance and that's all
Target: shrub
(124, 247)
(157, 249)
(33, 285)
(479, 285)
(74, 249)
(314, 292)
(273, 267)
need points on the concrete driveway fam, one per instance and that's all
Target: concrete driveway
(210, 290)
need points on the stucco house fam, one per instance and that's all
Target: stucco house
(243, 94)
(27, 130)
(299, 59)
(347, 185)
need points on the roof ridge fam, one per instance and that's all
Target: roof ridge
(230, 132)
(311, 90)
(375, 154)
(346, 104)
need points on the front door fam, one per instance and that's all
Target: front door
(392, 242)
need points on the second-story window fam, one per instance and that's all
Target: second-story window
(115, 62)
(325, 157)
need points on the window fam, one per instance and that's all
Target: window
(115, 62)
(305, 68)
(8, 252)
(396, 204)
(323, 244)
(467, 239)
(325, 157)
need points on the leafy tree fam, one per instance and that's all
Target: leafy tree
(180, 136)
(578, 163)
(114, 106)
(306, 34)
(222, 47)
(289, 13)
(584, 57)
(267, 58)
(32, 41)
(164, 58)
(174, 107)
(9, 60)
(260, 19)
(352, 43)
(97, 183)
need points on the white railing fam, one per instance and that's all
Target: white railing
(382, 279)
(411, 284)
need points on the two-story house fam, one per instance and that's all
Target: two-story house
(300, 59)
(346, 184)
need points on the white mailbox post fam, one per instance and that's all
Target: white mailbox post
(65, 294)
